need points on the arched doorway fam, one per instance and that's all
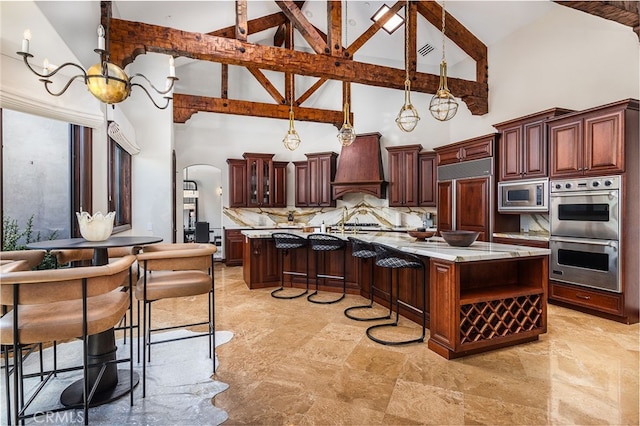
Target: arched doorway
(202, 202)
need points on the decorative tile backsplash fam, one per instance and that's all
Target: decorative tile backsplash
(354, 208)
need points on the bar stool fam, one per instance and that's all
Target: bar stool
(327, 243)
(393, 259)
(284, 243)
(365, 250)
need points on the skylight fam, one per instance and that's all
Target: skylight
(392, 24)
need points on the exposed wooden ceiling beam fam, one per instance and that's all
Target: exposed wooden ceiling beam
(304, 27)
(130, 39)
(253, 26)
(624, 12)
(459, 34)
(241, 20)
(268, 86)
(184, 106)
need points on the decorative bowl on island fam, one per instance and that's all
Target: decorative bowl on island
(421, 233)
(97, 227)
(459, 238)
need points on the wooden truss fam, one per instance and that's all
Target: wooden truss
(329, 60)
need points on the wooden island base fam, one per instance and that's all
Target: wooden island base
(486, 297)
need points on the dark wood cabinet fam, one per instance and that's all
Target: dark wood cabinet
(445, 206)
(233, 241)
(523, 145)
(598, 142)
(472, 149)
(237, 183)
(464, 199)
(261, 267)
(313, 180)
(473, 206)
(279, 198)
(301, 176)
(588, 143)
(322, 170)
(404, 175)
(257, 181)
(478, 306)
(428, 178)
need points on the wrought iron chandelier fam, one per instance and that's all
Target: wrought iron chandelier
(408, 117)
(105, 80)
(291, 140)
(443, 105)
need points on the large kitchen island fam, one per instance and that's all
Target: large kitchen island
(479, 298)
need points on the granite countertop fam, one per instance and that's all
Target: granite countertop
(435, 247)
(534, 236)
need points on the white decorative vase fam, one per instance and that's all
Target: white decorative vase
(97, 227)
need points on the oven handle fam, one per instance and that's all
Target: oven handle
(610, 194)
(609, 243)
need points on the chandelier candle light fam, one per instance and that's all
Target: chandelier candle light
(408, 117)
(443, 105)
(106, 81)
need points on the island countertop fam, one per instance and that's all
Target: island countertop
(435, 247)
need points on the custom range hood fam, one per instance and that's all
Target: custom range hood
(360, 168)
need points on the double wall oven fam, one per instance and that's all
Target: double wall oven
(585, 232)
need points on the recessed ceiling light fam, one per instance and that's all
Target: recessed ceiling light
(392, 24)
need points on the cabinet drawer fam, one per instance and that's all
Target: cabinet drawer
(609, 303)
(478, 149)
(449, 156)
(521, 242)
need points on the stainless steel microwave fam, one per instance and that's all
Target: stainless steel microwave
(523, 196)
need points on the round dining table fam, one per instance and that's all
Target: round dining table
(114, 382)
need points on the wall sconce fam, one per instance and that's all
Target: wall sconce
(106, 81)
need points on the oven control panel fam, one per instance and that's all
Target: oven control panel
(585, 184)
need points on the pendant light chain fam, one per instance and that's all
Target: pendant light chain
(408, 117)
(347, 133)
(291, 140)
(443, 105)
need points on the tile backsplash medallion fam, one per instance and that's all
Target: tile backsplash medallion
(355, 208)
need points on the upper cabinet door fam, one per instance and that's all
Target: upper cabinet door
(427, 177)
(511, 153)
(237, 183)
(603, 143)
(565, 147)
(404, 179)
(534, 150)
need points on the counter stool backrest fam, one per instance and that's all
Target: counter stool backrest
(287, 241)
(324, 242)
(362, 249)
(56, 285)
(387, 257)
(32, 257)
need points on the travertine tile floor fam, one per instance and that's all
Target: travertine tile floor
(294, 362)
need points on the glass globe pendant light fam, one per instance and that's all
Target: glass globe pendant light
(443, 105)
(347, 134)
(408, 117)
(291, 140)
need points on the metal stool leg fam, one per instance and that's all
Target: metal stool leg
(344, 282)
(347, 312)
(410, 261)
(275, 293)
